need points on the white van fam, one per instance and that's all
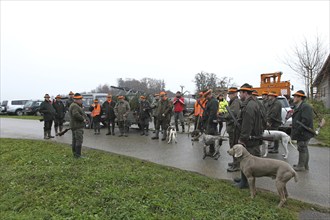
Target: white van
(13, 106)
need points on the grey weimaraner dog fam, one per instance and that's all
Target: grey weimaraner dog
(253, 167)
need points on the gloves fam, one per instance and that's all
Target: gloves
(163, 115)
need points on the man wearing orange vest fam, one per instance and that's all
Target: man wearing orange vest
(96, 112)
(198, 111)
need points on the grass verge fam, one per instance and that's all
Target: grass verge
(41, 180)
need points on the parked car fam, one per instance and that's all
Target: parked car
(286, 124)
(14, 106)
(32, 107)
(2, 110)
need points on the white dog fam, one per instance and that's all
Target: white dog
(277, 135)
(171, 134)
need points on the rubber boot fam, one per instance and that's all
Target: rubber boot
(95, 131)
(56, 131)
(156, 137)
(61, 128)
(243, 184)
(301, 162)
(46, 135)
(275, 149)
(113, 130)
(307, 159)
(182, 125)
(211, 149)
(177, 126)
(78, 151)
(164, 136)
(49, 135)
(147, 131)
(109, 132)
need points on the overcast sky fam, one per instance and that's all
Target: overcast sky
(57, 46)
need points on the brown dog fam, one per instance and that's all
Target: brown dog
(253, 167)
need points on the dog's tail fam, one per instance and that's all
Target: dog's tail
(295, 176)
(292, 144)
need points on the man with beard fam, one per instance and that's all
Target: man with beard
(251, 126)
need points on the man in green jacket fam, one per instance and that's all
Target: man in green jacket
(77, 124)
(302, 119)
(164, 113)
(251, 126)
(232, 129)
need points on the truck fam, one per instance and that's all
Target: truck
(272, 82)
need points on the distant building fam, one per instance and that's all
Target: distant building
(322, 83)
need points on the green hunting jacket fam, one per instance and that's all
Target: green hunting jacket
(77, 116)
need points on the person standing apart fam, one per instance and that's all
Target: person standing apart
(274, 117)
(144, 115)
(96, 112)
(59, 114)
(302, 122)
(164, 112)
(77, 124)
(179, 104)
(108, 107)
(199, 108)
(121, 111)
(48, 112)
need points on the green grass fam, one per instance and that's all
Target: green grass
(322, 112)
(41, 180)
(29, 117)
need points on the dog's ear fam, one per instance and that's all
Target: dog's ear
(238, 149)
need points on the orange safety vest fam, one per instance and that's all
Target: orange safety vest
(198, 109)
(97, 110)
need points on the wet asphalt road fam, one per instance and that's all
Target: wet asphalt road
(313, 186)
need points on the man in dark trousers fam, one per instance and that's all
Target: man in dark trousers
(48, 112)
(251, 126)
(122, 109)
(144, 115)
(210, 116)
(179, 105)
(164, 113)
(108, 108)
(96, 112)
(302, 119)
(59, 114)
(77, 124)
(274, 117)
(232, 129)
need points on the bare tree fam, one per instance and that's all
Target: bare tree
(307, 60)
(205, 80)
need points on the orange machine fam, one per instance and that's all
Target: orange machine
(272, 82)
